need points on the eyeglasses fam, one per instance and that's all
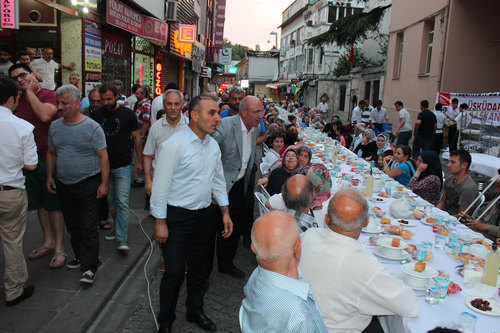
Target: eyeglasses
(20, 76)
(257, 113)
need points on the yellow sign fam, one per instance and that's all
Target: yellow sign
(182, 48)
(93, 65)
(187, 33)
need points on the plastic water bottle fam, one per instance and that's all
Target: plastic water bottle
(360, 153)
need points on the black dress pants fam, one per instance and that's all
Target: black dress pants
(227, 247)
(80, 208)
(187, 242)
(452, 131)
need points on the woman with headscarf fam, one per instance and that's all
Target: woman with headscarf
(368, 145)
(428, 179)
(320, 177)
(289, 167)
(304, 154)
(383, 146)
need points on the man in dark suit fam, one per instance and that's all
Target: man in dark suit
(237, 136)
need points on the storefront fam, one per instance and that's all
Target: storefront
(143, 61)
(116, 56)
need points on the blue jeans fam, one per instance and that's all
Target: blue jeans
(118, 199)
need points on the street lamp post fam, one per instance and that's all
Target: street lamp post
(275, 33)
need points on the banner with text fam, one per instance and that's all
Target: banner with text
(93, 55)
(484, 106)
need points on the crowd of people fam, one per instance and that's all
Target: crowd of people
(75, 159)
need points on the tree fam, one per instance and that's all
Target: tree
(239, 51)
(360, 60)
(350, 29)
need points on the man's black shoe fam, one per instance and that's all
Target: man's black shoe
(202, 321)
(27, 292)
(137, 184)
(233, 271)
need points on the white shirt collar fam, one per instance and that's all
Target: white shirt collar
(244, 128)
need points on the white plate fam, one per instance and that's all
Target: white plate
(378, 230)
(387, 242)
(401, 276)
(423, 221)
(409, 224)
(428, 273)
(404, 255)
(495, 307)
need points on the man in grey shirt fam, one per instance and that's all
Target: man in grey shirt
(404, 130)
(77, 145)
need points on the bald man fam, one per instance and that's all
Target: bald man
(276, 298)
(349, 284)
(298, 193)
(237, 136)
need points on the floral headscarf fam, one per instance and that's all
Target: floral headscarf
(320, 177)
(279, 163)
(387, 145)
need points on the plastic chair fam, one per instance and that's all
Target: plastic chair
(476, 211)
(266, 148)
(264, 191)
(262, 203)
(262, 171)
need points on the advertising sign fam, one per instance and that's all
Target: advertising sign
(206, 72)
(225, 56)
(124, 17)
(485, 106)
(10, 14)
(158, 79)
(93, 55)
(187, 33)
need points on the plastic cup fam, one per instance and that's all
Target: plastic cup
(433, 294)
(421, 252)
(443, 284)
(467, 322)
(439, 241)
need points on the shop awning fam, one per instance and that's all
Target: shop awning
(276, 85)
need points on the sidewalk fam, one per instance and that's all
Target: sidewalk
(60, 303)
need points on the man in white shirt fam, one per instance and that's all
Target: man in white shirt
(357, 112)
(378, 116)
(45, 66)
(437, 142)
(404, 131)
(323, 107)
(157, 103)
(18, 151)
(189, 174)
(464, 119)
(350, 285)
(452, 115)
(161, 131)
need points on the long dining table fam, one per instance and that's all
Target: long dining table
(349, 171)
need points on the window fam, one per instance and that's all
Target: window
(300, 63)
(368, 86)
(299, 31)
(332, 14)
(321, 55)
(283, 45)
(293, 66)
(292, 39)
(376, 90)
(398, 56)
(343, 91)
(341, 12)
(310, 56)
(429, 48)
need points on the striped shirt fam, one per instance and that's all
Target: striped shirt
(277, 303)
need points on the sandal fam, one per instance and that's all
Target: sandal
(58, 260)
(40, 252)
(105, 226)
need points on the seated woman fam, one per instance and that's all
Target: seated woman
(400, 166)
(391, 137)
(289, 167)
(428, 179)
(383, 147)
(305, 121)
(277, 140)
(304, 154)
(368, 145)
(346, 132)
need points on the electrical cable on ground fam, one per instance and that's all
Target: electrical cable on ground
(145, 266)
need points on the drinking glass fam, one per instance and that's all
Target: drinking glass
(432, 294)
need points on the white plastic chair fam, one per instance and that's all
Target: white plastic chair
(262, 203)
(476, 211)
(262, 169)
(266, 148)
(264, 191)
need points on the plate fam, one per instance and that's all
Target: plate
(428, 273)
(405, 255)
(378, 230)
(387, 242)
(495, 307)
(377, 199)
(409, 224)
(424, 221)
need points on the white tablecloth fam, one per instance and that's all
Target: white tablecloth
(430, 316)
(481, 163)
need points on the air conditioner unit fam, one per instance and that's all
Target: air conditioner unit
(171, 11)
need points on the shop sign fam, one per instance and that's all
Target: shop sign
(232, 70)
(158, 79)
(183, 49)
(226, 56)
(124, 17)
(187, 33)
(10, 14)
(93, 55)
(206, 72)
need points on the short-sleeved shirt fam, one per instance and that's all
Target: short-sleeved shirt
(118, 126)
(459, 194)
(4, 68)
(143, 111)
(76, 146)
(426, 128)
(323, 107)
(366, 115)
(41, 132)
(356, 115)
(46, 70)
(408, 172)
(377, 116)
(441, 119)
(407, 126)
